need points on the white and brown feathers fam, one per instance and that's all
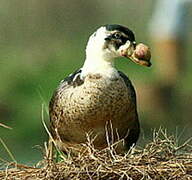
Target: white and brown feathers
(91, 98)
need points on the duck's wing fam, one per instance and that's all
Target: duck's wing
(129, 86)
(134, 132)
(74, 80)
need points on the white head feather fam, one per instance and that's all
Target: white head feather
(99, 58)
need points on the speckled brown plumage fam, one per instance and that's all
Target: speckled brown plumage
(79, 109)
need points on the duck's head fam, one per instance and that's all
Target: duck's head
(111, 41)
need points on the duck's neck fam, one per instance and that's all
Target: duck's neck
(99, 65)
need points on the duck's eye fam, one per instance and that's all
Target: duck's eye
(117, 35)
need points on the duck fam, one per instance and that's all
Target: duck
(98, 100)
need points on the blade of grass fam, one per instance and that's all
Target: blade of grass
(8, 151)
(3, 160)
(39, 91)
(5, 126)
(49, 134)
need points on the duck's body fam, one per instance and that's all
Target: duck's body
(90, 101)
(80, 107)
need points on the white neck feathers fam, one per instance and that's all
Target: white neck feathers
(97, 65)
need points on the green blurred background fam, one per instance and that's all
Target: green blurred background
(43, 41)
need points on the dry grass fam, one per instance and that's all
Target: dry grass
(160, 159)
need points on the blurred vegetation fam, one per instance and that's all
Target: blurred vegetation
(43, 41)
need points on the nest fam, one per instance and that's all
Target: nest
(162, 158)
